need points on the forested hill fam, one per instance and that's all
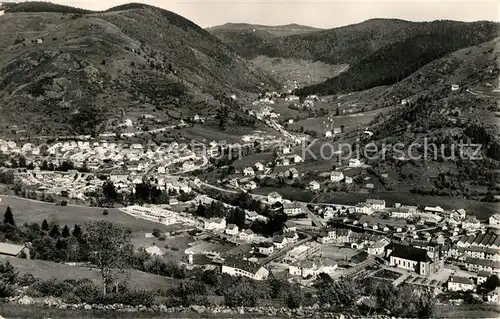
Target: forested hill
(398, 60)
(72, 70)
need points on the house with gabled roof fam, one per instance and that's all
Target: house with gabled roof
(14, 250)
(292, 209)
(494, 221)
(292, 173)
(215, 224)
(314, 186)
(457, 283)
(280, 241)
(232, 230)
(236, 266)
(336, 176)
(248, 171)
(259, 166)
(247, 234)
(274, 197)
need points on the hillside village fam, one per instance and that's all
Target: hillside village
(209, 196)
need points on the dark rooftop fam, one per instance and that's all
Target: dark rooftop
(242, 264)
(410, 253)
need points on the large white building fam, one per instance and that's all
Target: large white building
(215, 224)
(456, 283)
(494, 220)
(376, 204)
(235, 266)
(292, 209)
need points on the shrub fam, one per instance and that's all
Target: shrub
(6, 290)
(64, 203)
(105, 212)
(27, 280)
(156, 232)
(71, 297)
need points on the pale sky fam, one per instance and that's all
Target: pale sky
(317, 13)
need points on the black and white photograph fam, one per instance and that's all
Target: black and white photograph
(244, 159)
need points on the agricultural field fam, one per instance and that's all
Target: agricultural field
(208, 133)
(349, 121)
(28, 211)
(303, 71)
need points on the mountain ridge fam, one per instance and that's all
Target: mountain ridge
(69, 65)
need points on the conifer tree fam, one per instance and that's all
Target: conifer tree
(8, 217)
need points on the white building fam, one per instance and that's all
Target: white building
(456, 283)
(354, 162)
(248, 234)
(274, 197)
(376, 204)
(493, 296)
(292, 209)
(232, 230)
(266, 250)
(154, 251)
(378, 247)
(471, 223)
(248, 171)
(251, 185)
(336, 176)
(311, 268)
(313, 186)
(240, 267)
(215, 224)
(494, 221)
(259, 166)
(297, 159)
(363, 208)
(455, 87)
(280, 241)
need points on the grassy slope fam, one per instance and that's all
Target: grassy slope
(26, 211)
(46, 270)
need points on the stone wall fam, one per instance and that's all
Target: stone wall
(272, 312)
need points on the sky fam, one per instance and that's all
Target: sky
(316, 13)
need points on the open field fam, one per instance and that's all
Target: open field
(337, 253)
(303, 71)
(28, 211)
(350, 121)
(46, 270)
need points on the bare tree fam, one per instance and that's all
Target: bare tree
(110, 251)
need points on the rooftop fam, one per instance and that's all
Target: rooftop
(242, 264)
(461, 280)
(410, 253)
(10, 249)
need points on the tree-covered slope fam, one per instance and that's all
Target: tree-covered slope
(75, 73)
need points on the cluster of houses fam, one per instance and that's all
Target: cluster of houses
(126, 165)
